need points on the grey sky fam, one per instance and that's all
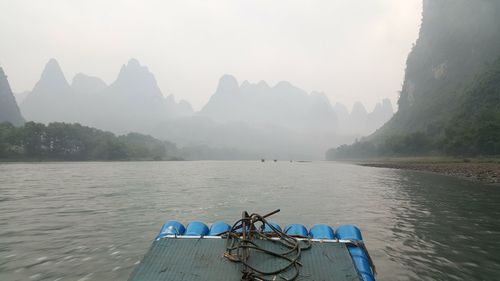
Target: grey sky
(350, 49)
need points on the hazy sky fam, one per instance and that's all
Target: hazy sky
(349, 49)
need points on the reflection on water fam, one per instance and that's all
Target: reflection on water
(94, 221)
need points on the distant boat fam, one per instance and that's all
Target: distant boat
(275, 160)
(262, 160)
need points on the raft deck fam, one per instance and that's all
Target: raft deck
(192, 259)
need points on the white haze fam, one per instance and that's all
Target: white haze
(352, 50)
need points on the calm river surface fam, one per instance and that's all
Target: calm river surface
(95, 221)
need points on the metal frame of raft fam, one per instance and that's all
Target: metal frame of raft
(195, 252)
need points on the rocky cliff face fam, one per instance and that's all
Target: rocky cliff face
(450, 100)
(9, 111)
(457, 38)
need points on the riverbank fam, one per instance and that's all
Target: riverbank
(480, 170)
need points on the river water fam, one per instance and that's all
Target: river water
(95, 221)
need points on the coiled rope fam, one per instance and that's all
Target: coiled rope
(240, 245)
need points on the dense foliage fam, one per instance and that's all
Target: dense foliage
(413, 144)
(472, 130)
(475, 127)
(74, 142)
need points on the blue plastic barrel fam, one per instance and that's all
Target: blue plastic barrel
(268, 229)
(359, 257)
(322, 231)
(349, 232)
(218, 228)
(361, 262)
(171, 228)
(196, 228)
(296, 230)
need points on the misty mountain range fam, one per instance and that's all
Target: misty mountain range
(246, 120)
(133, 102)
(290, 107)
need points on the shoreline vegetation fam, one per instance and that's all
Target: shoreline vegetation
(46, 160)
(37, 142)
(484, 170)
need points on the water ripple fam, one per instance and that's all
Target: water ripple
(94, 221)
